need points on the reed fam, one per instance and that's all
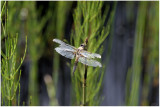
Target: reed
(34, 27)
(61, 11)
(151, 49)
(146, 51)
(136, 68)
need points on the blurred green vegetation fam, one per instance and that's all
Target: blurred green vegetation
(137, 54)
(21, 18)
(62, 11)
(146, 47)
(151, 49)
(24, 16)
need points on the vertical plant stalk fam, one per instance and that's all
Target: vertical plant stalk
(62, 9)
(8, 63)
(84, 86)
(152, 54)
(137, 55)
(89, 21)
(85, 80)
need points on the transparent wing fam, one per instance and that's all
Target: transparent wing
(89, 62)
(62, 44)
(68, 53)
(90, 55)
(59, 41)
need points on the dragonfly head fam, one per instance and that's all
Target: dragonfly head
(82, 45)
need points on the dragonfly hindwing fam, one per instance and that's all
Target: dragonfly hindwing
(89, 62)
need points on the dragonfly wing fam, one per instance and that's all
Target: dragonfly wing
(65, 49)
(63, 44)
(66, 52)
(68, 47)
(90, 55)
(89, 62)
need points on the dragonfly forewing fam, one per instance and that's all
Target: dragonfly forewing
(62, 44)
(59, 41)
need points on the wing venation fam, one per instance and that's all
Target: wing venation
(90, 55)
(62, 44)
(65, 52)
(59, 41)
(89, 62)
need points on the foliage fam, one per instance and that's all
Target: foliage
(145, 50)
(92, 20)
(89, 22)
(151, 51)
(136, 66)
(62, 9)
(36, 44)
(10, 67)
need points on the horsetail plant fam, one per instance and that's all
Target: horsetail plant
(10, 68)
(89, 23)
(9, 71)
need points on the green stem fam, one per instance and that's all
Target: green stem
(137, 55)
(33, 84)
(85, 79)
(84, 86)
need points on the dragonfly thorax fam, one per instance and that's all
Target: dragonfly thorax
(80, 48)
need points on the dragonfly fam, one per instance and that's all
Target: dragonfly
(79, 54)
